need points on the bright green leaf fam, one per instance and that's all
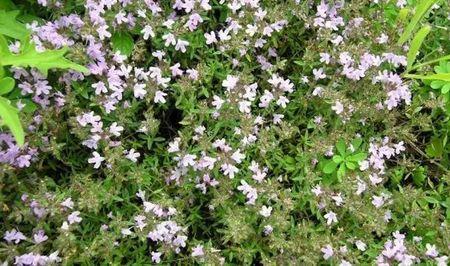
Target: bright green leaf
(357, 157)
(421, 10)
(341, 147)
(442, 76)
(10, 27)
(10, 118)
(6, 85)
(43, 61)
(416, 44)
(350, 165)
(337, 159)
(330, 167)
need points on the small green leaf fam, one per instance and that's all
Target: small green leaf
(337, 159)
(437, 84)
(341, 147)
(416, 43)
(330, 167)
(6, 85)
(10, 118)
(445, 88)
(122, 41)
(341, 172)
(350, 165)
(357, 157)
(357, 143)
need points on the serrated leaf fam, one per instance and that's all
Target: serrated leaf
(43, 61)
(123, 42)
(421, 10)
(330, 167)
(10, 118)
(10, 27)
(6, 85)
(416, 43)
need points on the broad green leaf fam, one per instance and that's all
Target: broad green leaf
(10, 118)
(6, 85)
(10, 27)
(416, 44)
(442, 76)
(337, 159)
(330, 167)
(122, 41)
(341, 147)
(357, 157)
(43, 61)
(421, 9)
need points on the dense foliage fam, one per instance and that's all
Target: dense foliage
(232, 132)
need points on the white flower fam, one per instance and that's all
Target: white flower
(197, 251)
(68, 203)
(96, 160)
(148, 31)
(317, 190)
(229, 169)
(139, 91)
(431, 251)
(132, 155)
(265, 211)
(159, 97)
(244, 107)
(181, 45)
(115, 129)
(218, 102)
(327, 252)
(331, 218)
(338, 107)
(210, 37)
(230, 82)
(238, 156)
(360, 245)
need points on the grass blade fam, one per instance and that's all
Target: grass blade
(416, 44)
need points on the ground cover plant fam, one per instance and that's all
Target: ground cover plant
(224, 132)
